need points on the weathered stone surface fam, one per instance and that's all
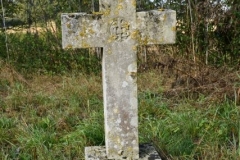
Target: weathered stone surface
(118, 28)
(81, 30)
(146, 152)
(119, 81)
(156, 27)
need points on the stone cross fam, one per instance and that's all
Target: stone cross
(119, 29)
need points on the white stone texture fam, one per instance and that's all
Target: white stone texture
(118, 28)
(146, 152)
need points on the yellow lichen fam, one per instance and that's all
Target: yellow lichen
(161, 39)
(97, 13)
(68, 25)
(91, 31)
(129, 150)
(141, 40)
(125, 25)
(144, 41)
(106, 12)
(111, 38)
(69, 46)
(174, 28)
(116, 12)
(164, 17)
(120, 7)
(83, 32)
(134, 3)
(134, 48)
(109, 52)
(85, 45)
(115, 110)
(135, 34)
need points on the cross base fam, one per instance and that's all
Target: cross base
(146, 152)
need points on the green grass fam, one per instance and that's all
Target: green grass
(55, 117)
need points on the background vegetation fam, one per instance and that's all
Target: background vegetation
(208, 30)
(51, 99)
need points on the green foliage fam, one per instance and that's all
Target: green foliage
(186, 131)
(3, 52)
(10, 8)
(42, 53)
(55, 117)
(38, 124)
(205, 31)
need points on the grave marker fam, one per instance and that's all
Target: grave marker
(119, 29)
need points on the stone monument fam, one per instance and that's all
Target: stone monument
(119, 29)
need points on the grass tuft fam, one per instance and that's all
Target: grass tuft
(55, 117)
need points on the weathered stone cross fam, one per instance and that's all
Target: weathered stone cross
(118, 28)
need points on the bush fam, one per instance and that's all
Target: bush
(42, 52)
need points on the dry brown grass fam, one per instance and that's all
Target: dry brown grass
(181, 77)
(50, 26)
(69, 108)
(9, 74)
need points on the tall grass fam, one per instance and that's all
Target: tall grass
(51, 118)
(42, 52)
(190, 129)
(55, 117)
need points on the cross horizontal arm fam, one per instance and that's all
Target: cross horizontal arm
(81, 30)
(156, 27)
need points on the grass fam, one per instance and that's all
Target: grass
(187, 132)
(55, 117)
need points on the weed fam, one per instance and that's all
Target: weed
(55, 117)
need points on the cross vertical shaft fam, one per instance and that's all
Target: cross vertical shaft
(119, 80)
(118, 28)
